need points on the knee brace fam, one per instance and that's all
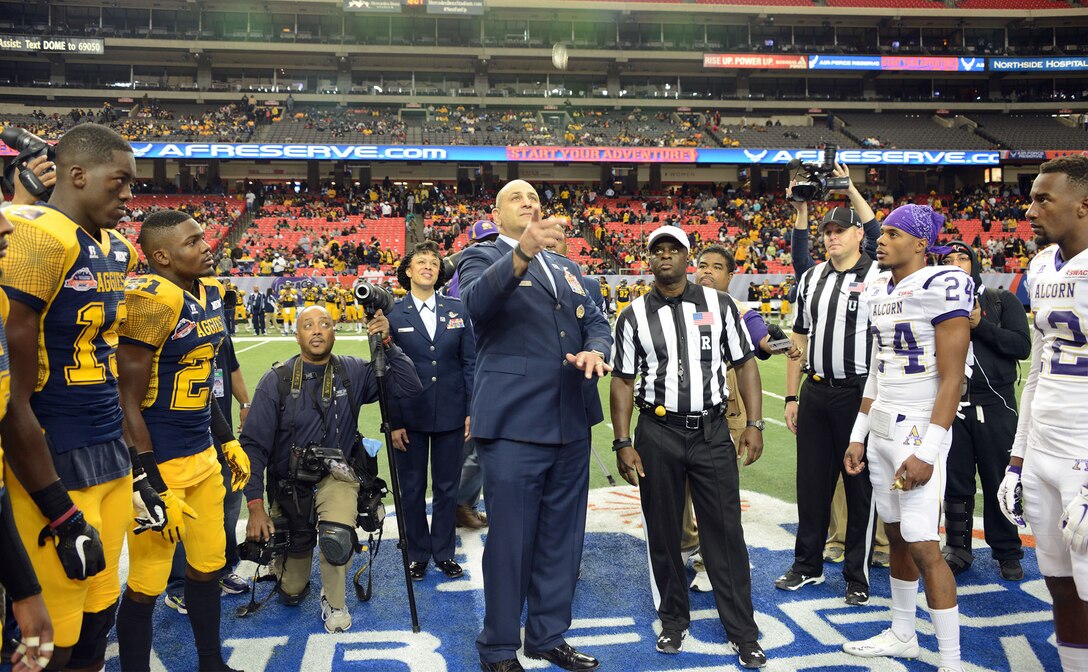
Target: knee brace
(90, 650)
(336, 541)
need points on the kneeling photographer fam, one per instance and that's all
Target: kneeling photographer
(303, 428)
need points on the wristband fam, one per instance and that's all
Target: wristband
(54, 503)
(931, 443)
(244, 405)
(521, 254)
(620, 444)
(258, 500)
(789, 398)
(1014, 469)
(387, 341)
(151, 468)
(861, 428)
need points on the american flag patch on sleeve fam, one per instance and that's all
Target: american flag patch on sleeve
(858, 287)
(702, 319)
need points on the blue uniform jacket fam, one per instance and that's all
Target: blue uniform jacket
(445, 365)
(525, 389)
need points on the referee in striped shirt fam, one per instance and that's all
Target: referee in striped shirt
(676, 341)
(832, 329)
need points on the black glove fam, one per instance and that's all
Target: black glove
(148, 505)
(78, 545)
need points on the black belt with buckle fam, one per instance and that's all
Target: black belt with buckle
(848, 381)
(683, 420)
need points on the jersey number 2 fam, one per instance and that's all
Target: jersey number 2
(191, 384)
(1076, 339)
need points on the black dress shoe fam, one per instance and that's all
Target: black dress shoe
(566, 657)
(450, 568)
(510, 665)
(417, 570)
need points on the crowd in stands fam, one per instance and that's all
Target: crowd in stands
(456, 125)
(148, 121)
(368, 229)
(343, 123)
(248, 120)
(631, 128)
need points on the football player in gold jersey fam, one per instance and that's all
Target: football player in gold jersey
(70, 474)
(168, 344)
(17, 575)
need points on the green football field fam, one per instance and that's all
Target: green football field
(773, 474)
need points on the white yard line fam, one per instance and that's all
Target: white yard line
(255, 345)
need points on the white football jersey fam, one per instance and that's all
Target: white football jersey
(1059, 299)
(904, 319)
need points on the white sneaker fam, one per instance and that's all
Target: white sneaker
(886, 643)
(336, 620)
(701, 582)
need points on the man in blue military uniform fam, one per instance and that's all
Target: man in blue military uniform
(433, 331)
(539, 337)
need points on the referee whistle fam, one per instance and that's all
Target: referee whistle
(659, 411)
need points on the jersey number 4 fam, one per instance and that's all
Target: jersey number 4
(905, 346)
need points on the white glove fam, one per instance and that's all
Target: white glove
(1075, 522)
(1010, 495)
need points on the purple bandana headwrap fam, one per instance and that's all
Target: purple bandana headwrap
(921, 222)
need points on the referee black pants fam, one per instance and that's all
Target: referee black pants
(706, 459)
(982, 438)
(825, 416)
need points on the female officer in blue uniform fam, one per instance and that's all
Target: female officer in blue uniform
(434, 331)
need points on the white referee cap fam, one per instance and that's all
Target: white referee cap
(668, 231)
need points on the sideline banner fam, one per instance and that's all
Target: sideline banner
(462, 153)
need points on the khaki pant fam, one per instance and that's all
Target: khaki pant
(836, 532)
(336, 502)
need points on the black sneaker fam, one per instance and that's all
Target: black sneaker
(750, 655)
(792, 580)
(1011, 570)
(857, 594)
(671, 641)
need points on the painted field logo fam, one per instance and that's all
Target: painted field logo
(1004, 625)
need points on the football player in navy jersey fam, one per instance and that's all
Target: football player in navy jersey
(71, 487)
(168, 344)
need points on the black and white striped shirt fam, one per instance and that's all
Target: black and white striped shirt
(679, 348)
(832, 312)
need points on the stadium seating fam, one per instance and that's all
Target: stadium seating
(1017, 131)
(216, 214)
(915, 4)
(1013, 4)
(899, 131)
(757, 134)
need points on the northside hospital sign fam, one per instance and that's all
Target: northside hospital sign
(530, 154)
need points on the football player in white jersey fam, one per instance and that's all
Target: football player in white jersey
(1053, 429)
(919, 317)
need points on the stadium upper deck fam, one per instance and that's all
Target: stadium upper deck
(647, 53)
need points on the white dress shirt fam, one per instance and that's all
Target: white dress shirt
(426, 310)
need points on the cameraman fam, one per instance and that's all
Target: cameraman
(312, 402)
(832, 330)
